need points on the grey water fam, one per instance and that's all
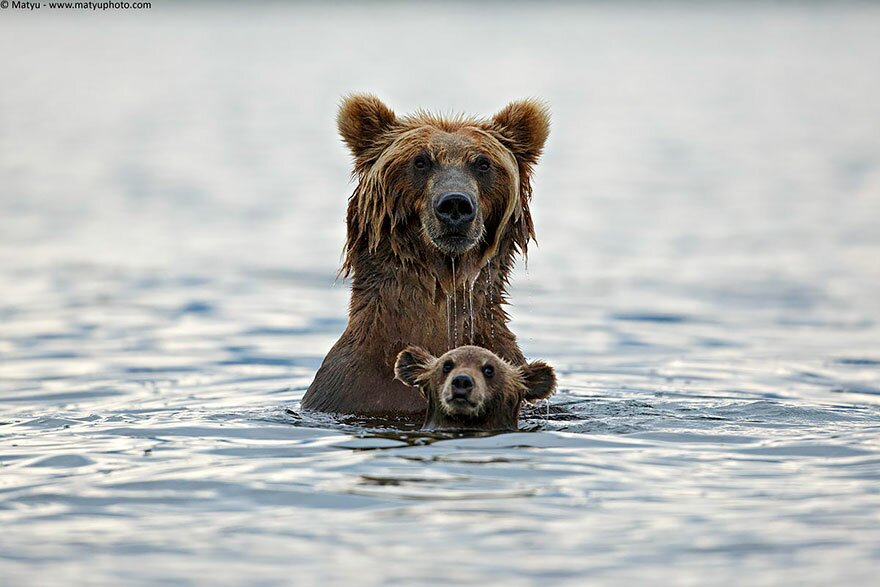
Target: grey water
(706, 283)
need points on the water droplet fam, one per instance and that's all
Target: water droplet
(454, 308)
(449, 320)
(471, 309)
(490, 300)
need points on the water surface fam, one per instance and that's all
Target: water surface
(172, 196)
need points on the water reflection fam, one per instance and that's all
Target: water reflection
(170, 224)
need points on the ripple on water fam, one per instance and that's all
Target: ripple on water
(168, 293)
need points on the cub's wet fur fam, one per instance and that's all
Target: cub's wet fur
(471, 388)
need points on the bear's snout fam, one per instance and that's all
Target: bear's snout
(456, 210)
(451, 217)
(462, 394)
(462, 385)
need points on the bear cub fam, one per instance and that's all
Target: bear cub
(471, 388)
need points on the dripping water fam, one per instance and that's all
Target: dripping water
(489, 301)
(448, 320)
(471, 309)
(454, 308)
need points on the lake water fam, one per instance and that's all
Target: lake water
(707, 285)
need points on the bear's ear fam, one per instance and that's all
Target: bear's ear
(523, 126)
(362, 119)
(412, 364)
(540, 380)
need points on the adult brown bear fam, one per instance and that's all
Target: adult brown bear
(440, 210)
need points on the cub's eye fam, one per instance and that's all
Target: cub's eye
(447, 366)
(421, 163)
(483, 164)
(488, 371)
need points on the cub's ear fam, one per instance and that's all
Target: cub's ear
(412, 364)
(540, 380)
(362, 119)
(523, 126)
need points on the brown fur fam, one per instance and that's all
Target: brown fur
(401, 277)
(497, 394)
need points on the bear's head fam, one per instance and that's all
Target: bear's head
(471, 388)
(447, 185)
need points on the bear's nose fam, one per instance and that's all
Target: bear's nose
(455, 209)
(462, 386)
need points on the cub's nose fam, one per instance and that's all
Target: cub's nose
(455, 209)
(462, 386)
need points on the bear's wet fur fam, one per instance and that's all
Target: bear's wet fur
(440, 211)
(471, 388)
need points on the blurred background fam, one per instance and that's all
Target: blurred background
(172, 197)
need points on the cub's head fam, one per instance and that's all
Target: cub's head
(470, 388)
(448, 185)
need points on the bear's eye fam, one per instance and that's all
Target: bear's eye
(447, 366)
(488, 371)
(483, 164)
(421, 163)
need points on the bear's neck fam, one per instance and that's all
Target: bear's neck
(433, 301)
